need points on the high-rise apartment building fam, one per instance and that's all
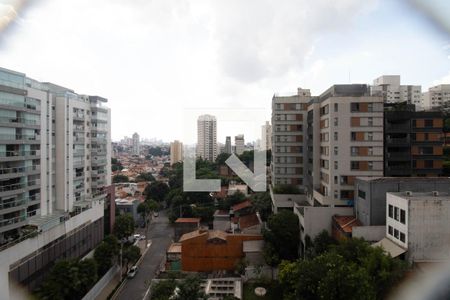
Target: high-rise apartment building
(437, 97)
(266, 136)
(389, 87)
(413, 143)
(288, 134)
(136, 144)
(351, 141)
(207, 137)
(55, 163)
(239, 143)
(228, 149)
(176, 152)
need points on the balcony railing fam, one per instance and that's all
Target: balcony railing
(19, 137)
(14, 170)
(18, 120)
(12, 221)
(19, 202)
(20, 153)
(20, 104)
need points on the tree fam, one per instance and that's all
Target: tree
(131, 254)
(262, 203)
(285, 189)
(283, 234)
(104, 255)
(120, 178)
(322, 243)
(231, 200)
(145, 177)
(124, 226)
(189, 289)
(146, 209)
(163, 289)
(69, 279)
(221, 158)
(156, 190)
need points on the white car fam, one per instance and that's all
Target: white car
(132, 272)
(155, 214)
(136, 237)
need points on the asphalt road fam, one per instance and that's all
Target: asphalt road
(161, 234)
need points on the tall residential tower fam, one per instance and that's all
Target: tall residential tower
(207, 137)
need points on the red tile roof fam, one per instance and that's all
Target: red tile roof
(346, 223)
(188, 220)
(242, 205)
(248, 221)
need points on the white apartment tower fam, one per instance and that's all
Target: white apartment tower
(266, 136)
(437, 97)
(239, 143)
(288, 134)
(207, 137)
(389, 87)
(55, 162)
(136, 144)
(176, 152)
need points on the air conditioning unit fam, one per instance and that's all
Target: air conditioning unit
(435, 193)
(408, 193)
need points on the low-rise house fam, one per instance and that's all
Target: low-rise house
(185, 225)
(342, 226)
(248, 224)
(242, 208)
(208, 251)
(222, 220)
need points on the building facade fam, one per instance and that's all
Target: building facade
(389, 87)
(437, 97)
(351, 142)
(288, 137)
(413, 144)
(207, 137)
(266, 136)
(55, 165)
(239, 144)
(136, 144)
(228, 149)
(419, 224)
(176, 152)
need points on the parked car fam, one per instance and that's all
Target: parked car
(136, 237)
(142, 237)
(155, 214)
(132, 272)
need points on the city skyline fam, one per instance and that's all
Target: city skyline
(297, 50)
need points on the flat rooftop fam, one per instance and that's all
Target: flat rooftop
(423, 196)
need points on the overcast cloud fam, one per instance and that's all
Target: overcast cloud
(152, 59)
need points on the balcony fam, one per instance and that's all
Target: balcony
(397, 128)
(78, 140)
(402, 156)
(18, 170)
(398, 141)
(78, 128)
(21, 121)
(78, 116)
(79, 152)
(20, 137)
(19, 154)
(98, 162)
(12, 221)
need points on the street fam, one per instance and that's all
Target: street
(161, 234)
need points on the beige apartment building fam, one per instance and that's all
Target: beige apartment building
(351, 141)
(437, 97)
(176, 152)
(207, 137)
(288, 138)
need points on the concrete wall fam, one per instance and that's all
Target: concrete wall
(28, 247)
(369, 233)
(102, 283)
(371, 211)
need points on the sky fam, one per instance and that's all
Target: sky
(161, 62)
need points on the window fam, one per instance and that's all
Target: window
(361, 194)
(390, 230)
(428, 123)
(402, 216)
(354, 165)
(396, 213)
(391, 211)
(396, 233)
(336, 150)
(354, 107)
(370, 136)
(354, 151)
(335, 164)
(336, 106)
(428, 164)
(336, 122)
(370, 121)
(335, 180)
(402, 237)
(335, 136)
